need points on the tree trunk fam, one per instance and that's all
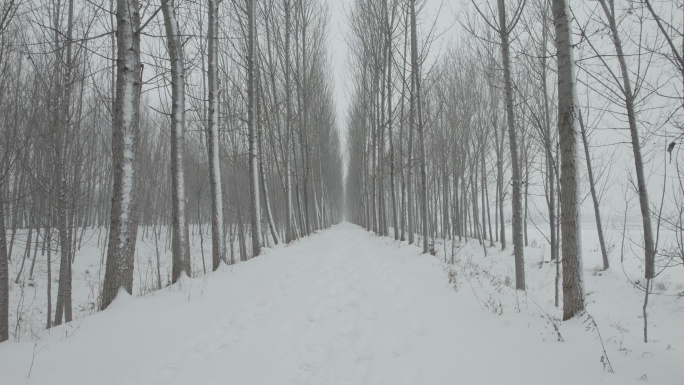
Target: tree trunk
(573, 281)
(180, 242)
(252, 125)
(550, 190)
(446, 229)
(264, 192)
(27, 253)
(35, 248)
(594, 194)
(48, 260)
(4, 277)
(649, 244)
(515, 163)
(381, 159)
(218, 252)
(416, 99)
(124, 213)
(289, 234)
(393, 200)
(404, 178)
(484, 208)
(499, 145)
(63, 309)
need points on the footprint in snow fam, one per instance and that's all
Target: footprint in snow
(314, 315)
(417, 326)
(398, 346)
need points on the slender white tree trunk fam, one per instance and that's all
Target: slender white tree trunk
(4, 276)
(63, 121)
(264, 192)
(415, 72)
(289, 233)
(180, 242)
(218, 252)
(393, 201)
(255, 204)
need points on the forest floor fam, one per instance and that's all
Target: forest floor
(347, 307)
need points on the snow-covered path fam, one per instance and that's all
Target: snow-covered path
(340, 307)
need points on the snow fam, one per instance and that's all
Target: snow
(346, 307)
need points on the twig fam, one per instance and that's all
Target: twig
(604, 359)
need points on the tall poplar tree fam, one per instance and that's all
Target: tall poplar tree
(124, 214)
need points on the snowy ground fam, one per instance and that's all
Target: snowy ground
(347, 307)
(28, 295)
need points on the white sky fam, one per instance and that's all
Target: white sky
(338, 54)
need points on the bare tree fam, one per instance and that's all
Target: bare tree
(124, 215)
(628, 95)
(62, 113)
(180, 243)
(504, 32)
(8, 10)
(4, 279)
(213, 137)
(255, 204)
(289, 232)
(594, 193)
(573, 282)
(416, 105)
